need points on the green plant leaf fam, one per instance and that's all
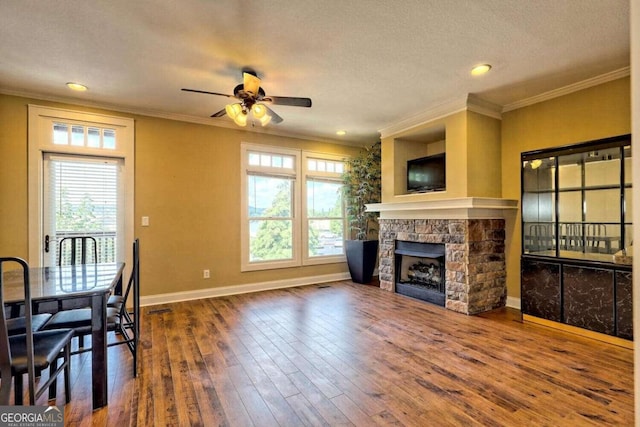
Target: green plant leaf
(362, 185)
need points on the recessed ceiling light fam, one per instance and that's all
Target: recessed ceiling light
(76, 86)
(341, 132)
(480, 69)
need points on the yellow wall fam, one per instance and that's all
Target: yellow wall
(188, 184)
(597, 112)
(13, 177)
(483, 157)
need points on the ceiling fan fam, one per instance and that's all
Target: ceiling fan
(252, 98)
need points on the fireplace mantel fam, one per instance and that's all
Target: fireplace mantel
(460, 208)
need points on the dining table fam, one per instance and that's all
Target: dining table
(73, 286)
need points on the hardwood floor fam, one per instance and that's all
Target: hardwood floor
(347, 354)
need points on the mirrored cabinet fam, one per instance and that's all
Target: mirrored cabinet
(577, 236)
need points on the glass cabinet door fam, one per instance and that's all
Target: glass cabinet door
(602, 201)
(627, 206)
(538, 205)
(577, 200)
(570, 202)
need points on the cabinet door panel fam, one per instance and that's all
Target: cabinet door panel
(588, 298)
(541, 289)
(624, 304)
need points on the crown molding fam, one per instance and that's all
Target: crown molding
(469, 102)
(435, 113)
(565, 90)
(481, 106)
(174, 116)
(472, 102)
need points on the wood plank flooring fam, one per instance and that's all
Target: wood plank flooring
(344, 354)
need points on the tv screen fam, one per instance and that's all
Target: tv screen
(426, 174)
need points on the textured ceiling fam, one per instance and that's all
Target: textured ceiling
(365, 64)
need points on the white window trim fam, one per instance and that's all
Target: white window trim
(300, 232)
(245, 265)
(306, 259)
(40, 141)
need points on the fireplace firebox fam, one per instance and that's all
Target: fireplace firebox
(420, 271)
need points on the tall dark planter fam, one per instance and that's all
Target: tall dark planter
(361, 259)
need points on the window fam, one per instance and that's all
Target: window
(325, 224)
(292, 208)
(271, 218)
(83, 136)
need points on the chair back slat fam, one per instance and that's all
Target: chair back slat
(5, 350)
(85, 245)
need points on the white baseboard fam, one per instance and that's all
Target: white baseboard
(240, 289)
(514, 303)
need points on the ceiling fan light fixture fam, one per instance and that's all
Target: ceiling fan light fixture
(251, 97)
(259, 111)
(240, 119)
(265, 120)
(251, 83)
(233, 110)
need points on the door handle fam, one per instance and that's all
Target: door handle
(46, 243)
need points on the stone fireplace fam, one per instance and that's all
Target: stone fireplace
(473, 241)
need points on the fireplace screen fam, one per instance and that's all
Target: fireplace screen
(421, 271)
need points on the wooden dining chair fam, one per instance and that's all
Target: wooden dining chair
(119, 319)
(31, 352)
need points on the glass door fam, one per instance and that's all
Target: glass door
(82, 196)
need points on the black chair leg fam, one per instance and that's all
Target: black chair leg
(53, 387)
(18, 390)
(135, 359)
(5, 386)
(67, 373)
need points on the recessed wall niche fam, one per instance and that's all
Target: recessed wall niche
(427, 142)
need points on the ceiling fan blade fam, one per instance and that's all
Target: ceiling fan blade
(251, 83)
(288, 100)
(220, 113)
(274, 117)
(206, 92)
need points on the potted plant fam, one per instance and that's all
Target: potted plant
(362, 185)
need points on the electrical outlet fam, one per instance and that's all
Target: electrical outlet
(206, 274)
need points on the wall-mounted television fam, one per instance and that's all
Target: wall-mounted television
(427, 174)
